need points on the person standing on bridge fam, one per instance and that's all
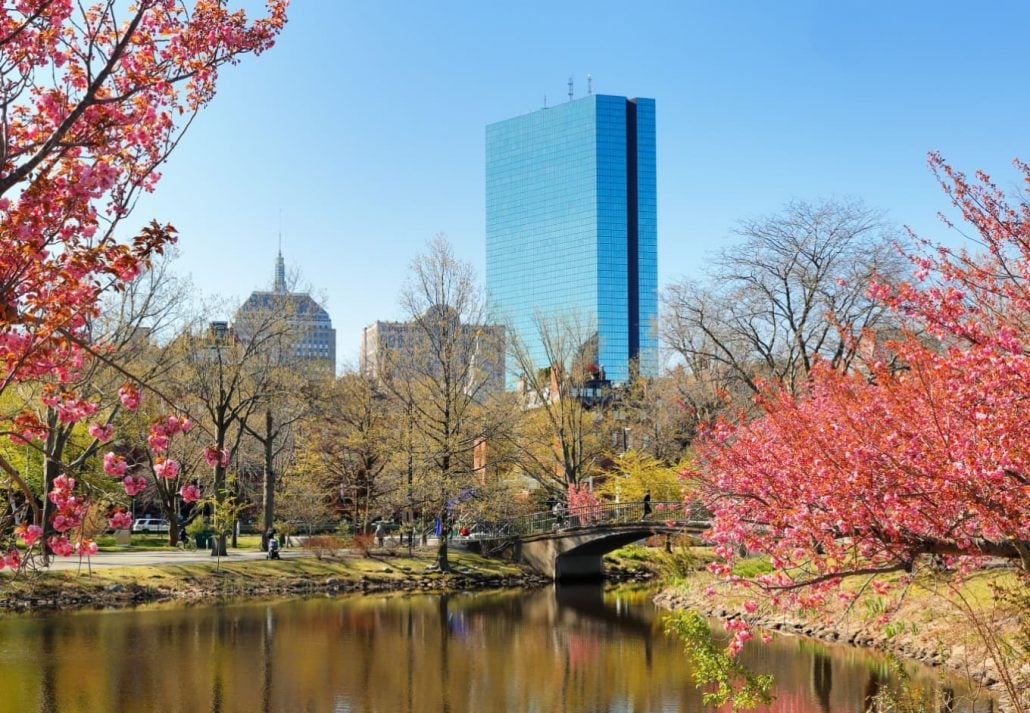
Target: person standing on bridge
(559, 514)
(647, 505)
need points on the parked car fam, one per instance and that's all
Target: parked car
(150, 524)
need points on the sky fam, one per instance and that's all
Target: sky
(360, 135)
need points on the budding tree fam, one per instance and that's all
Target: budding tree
(442, 374)
(793, 290)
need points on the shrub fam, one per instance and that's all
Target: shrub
(362, 542)
(323, 545)
(681, 561)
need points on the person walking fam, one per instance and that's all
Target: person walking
(559, 514)
(380, 533)
(647, 505)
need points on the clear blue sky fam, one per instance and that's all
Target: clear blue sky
(365, 125)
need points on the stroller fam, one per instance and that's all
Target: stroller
(273, 548)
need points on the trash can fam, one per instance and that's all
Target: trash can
(201, 539)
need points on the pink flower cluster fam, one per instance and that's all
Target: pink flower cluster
(121, 520)
(190, 493)
(29, 533)
(134, 485)
(167, 469)
(11, 559)
(162, 431)
(114, 465)
(70, 508)
(29, 427)
(130, 396)
(741, 635)
(215, 457)
(101, 433)
(85, 548)
(60, 546)
(69, 407)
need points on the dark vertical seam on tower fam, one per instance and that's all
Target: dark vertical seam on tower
(632, 230)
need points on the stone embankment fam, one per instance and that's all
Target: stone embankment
(930, 637)
(348, 573)
(81, 592)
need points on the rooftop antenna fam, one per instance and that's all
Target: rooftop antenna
(570, 88)
(590, 83)
(545, 101)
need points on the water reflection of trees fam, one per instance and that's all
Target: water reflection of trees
(574, 651)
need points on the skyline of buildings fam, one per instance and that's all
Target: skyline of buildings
(571, 227)
(571, 231)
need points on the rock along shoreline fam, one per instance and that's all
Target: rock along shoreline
(56, 592)
(49, 596)
(940, 646)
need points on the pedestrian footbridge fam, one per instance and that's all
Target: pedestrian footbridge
(572, 546)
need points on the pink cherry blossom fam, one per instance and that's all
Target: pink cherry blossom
(167, 469)
(29, 534)
(85, 548)
(134, 484)
(214, 457)
(60, 545)
(130, 396)
(114, 465)
(101, 433)
(95, 96)
(121, 520)
(12, 559)
(190, 493)
(158, 442)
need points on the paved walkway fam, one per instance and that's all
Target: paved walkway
(160, 557)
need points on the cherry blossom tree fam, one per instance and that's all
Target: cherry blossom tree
(868, 472)
(92, 100)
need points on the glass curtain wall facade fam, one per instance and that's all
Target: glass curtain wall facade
(571, 226)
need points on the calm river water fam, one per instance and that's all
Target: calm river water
(554, 650)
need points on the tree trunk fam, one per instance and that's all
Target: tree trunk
(220, 549)
(442, 563)
(51, 469)
(268, 486)
(53, 449)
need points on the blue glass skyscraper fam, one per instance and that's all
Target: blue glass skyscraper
(571, 225)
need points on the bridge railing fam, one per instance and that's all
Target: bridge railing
(605, 513)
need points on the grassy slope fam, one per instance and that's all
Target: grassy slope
(212, 579)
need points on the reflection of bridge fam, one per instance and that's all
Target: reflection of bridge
(570, 546)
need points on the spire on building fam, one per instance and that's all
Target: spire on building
(280, 273)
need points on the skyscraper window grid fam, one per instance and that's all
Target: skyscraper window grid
(571, 225)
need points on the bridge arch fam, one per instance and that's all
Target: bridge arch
(578, 553)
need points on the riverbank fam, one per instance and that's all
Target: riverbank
(923, 627)
(200, 581)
